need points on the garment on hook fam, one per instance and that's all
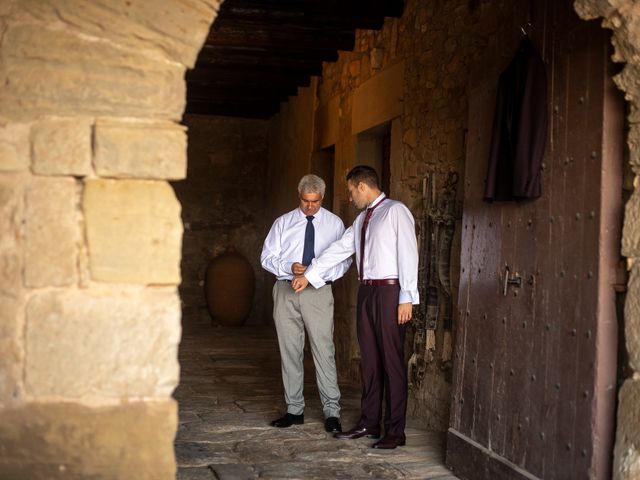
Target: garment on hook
(519, 128)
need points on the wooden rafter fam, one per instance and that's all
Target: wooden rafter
(258, 52)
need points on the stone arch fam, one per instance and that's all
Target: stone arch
(623, 18)
(90, 99)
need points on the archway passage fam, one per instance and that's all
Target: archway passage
(417, 83)
(231, 385)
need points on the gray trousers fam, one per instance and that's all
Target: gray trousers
(293, 312)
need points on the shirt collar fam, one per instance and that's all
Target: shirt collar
(378, 199)
(317, 216)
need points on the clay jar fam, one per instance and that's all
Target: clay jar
(229, 288)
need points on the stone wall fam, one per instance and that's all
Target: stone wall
(223, 204)
(90, 233)
(623, 17)
(290, 147)
(292, 141)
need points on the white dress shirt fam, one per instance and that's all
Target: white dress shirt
(390, 249)
(284, 244)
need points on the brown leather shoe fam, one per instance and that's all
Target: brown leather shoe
(358, 432)
(389, 442)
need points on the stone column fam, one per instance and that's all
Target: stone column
(623, 17)
(90, 233)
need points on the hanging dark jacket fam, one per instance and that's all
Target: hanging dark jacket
(519, 128)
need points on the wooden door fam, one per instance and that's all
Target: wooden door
(534, 371)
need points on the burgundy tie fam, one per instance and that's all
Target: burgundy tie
(363, 232)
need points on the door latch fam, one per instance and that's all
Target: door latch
(515, 280)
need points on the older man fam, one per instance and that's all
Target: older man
(293, 241)
(384, 240)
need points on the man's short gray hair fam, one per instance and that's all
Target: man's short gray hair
(311, 184)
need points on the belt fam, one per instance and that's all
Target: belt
(378, 283)
(326, 283)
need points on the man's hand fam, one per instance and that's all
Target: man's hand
(404, 313)
(298, 269)
(299, 283)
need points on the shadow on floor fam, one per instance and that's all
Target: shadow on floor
(231, 389)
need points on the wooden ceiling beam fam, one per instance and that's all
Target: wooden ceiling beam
(297, 54)
(276, 38)
(259, 52)
(242, 93)
(245, 58)
(237, 76)
(232, 110)
(327, 13)
(284, 19)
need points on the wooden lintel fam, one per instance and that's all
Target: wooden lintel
(263, 111)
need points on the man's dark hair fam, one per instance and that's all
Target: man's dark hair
(363, 173)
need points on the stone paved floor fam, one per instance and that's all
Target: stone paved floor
(231, 389)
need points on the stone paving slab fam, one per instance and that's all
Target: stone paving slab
(231, 389)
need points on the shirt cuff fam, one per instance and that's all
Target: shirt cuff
(314, 278)
(286, 268)
(409, 296)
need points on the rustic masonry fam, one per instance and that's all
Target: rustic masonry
(91, 241)
(223, 202)
(91, 233)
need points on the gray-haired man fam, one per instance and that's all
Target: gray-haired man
(294, 239)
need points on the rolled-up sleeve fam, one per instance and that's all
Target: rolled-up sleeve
(270, 258)
(335, 259)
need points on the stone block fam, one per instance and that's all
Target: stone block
(590, 9)
(626, 462)
(633, 141)
(10, 372)
(10, 324)
(11, 205)
(410, 138)
(14, 147)
(52, 232)
(631, 227)
(141, 150)
(62, 147)
(11, 388)
(632, 318)
(169, 30)
(107, 344)
(10, 273)
(134, 231)
(59, 72)
(67, 440)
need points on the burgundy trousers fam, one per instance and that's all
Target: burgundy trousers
(382, 365)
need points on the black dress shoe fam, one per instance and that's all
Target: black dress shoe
(332, 425)
(288, 420)
(389, 442)
(358, 432)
